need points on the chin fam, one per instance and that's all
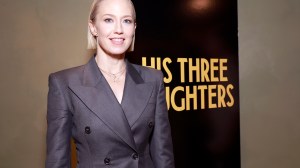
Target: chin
(118, 51)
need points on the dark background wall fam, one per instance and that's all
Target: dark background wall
(38, 37)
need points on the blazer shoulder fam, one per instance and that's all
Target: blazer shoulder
(66, 76)
(149, 74)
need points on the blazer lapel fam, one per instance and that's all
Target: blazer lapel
(136, 94)
(97, 95)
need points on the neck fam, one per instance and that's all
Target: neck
(110, 63)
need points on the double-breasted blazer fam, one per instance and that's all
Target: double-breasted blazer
(133, 134)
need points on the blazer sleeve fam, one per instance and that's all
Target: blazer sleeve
(161, 147)
(58, 127)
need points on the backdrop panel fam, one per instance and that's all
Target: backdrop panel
(195, 44)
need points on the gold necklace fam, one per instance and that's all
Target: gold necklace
(115, 76)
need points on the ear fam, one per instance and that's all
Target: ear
(93, 28)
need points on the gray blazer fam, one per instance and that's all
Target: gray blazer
(133, 134)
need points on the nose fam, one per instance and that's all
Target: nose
(118, 28)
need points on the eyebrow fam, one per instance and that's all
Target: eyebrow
(114, 15)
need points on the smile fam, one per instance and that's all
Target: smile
(117, 41)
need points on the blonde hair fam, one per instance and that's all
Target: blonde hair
(91, 39)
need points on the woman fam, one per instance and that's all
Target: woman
(115, 111)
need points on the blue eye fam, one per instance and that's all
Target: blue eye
(128, 21)
(108, 20)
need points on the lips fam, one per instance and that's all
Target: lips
(117, 41)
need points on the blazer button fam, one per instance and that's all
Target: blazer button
(87, 130)
(150, 124)
(135, 156)
(107, 161)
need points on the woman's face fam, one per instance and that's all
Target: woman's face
(114, 26)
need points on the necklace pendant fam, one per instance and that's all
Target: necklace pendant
(114, 78)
